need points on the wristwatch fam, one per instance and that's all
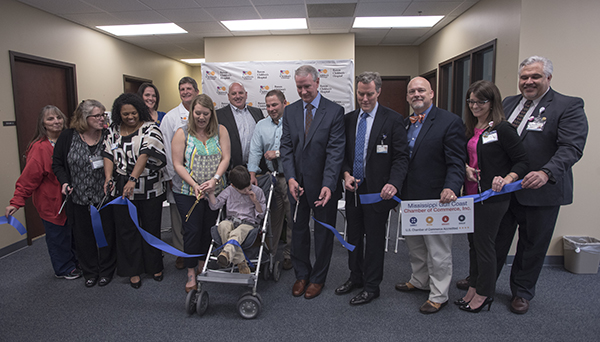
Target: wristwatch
(277, 154)
(133, 179)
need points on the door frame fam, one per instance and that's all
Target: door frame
(71, 80)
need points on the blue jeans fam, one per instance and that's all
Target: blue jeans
(60, 248)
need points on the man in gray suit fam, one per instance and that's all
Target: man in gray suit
(553, 128)
(312, 152)
(240, 120)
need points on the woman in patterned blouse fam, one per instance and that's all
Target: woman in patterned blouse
(79, 168)
(201, 155)
(134, 156)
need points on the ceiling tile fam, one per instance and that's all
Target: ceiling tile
(141, 17)
(208, 28)
(94, 19)
(330, 23)
(62, 6)
(233, 13)
(117, 5)
(172, 4)
(189, 15)
(381, 9)
(283, 11)
(431, 7)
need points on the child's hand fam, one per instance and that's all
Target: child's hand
(252, 195)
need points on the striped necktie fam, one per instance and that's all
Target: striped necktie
(359, 148)
(517, 121)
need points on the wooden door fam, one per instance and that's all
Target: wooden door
(38, 82)
(393, 93)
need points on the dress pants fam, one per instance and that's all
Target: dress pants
(431, 262)
(227, 232)
(280, 208)
(482, 243)
(95, 262)
(176, 227)
(60, 247)
(196, 231)
(536, 226)
(367, 260)
(314, 273)
(134, 255)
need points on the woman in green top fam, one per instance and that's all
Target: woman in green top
(201, 153)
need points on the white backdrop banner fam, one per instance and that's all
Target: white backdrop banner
(336, 80)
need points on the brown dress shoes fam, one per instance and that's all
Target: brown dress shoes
(299, 288)
(313, 290)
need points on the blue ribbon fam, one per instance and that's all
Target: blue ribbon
(337, 235)
(13, 222)
(235, 243)
(150, 239)
(508, 188)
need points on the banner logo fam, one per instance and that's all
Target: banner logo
(247, 75)
(210, 75)
(285, 74)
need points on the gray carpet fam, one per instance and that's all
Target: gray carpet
(34, 306)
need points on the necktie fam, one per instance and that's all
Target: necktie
(415, 118)
(522, 113)
(309, 118)
(359, 148)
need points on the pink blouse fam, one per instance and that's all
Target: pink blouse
(470, 186)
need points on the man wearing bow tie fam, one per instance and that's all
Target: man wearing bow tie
(375, 162)
(438, 153)
(553, 128)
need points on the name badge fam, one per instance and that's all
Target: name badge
(536, 125)
(489, 137)
(382, 148)
(114, 146)
(97, 162)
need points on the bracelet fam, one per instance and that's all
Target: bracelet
(512, 177)
(217, 177)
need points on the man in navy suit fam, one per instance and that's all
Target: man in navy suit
(553, 128)
(376, 161)
(438, 153)
(312, 152)
(240, 120)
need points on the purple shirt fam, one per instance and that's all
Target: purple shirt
(470, 186)
(240, 206)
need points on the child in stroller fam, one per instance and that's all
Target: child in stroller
(245, 208)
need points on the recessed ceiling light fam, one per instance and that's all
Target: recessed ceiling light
(194, 60)
(396, 22)
(266, 24)
(142, 30)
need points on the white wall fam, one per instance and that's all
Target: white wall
(100, 63)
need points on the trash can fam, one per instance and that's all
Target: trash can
(581, 254)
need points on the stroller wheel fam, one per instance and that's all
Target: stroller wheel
(202, 303)
(266, 272)
(249, 306)
(190, 302)
(277, 270)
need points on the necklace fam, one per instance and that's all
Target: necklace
(94, 140)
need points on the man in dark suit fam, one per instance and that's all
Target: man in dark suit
(553, 128)
(438, 153)
(312, 152)
(240, 120)
(376, 161)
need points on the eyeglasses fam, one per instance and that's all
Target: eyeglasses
(480, 103)
(97, 116)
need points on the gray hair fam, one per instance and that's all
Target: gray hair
(546, 64)
(231, 85)
(306, 70)
(368, 77)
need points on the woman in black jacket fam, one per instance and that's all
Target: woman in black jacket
(496, 158)
(79, 168)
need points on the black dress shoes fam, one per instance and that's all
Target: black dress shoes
(519, 305)
(363, 298)
(104, 281)
(347, 287)
(90, 282)
(136, 285)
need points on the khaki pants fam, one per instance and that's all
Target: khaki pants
(227, 232)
